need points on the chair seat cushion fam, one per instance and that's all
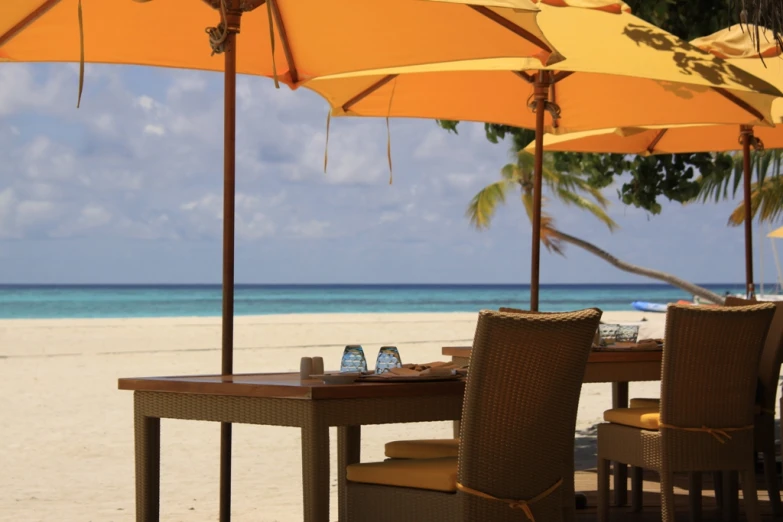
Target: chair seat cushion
(430, 474)
(645, 403)
(645, 418)
(422, 449)
(656, 403)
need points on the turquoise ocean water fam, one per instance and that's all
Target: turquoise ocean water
(28, 301)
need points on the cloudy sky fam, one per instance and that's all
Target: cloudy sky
(128, 189)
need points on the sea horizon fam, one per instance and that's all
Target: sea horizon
(127, 300)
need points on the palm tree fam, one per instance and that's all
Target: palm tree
(572, 190)
(766, 197)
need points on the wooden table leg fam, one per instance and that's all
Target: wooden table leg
(315, 469)
(620, 400)
(349, 451)
(147, 438)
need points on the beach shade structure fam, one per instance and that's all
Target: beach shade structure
(777, 233)
(634, 73)
(291, 41)
(737, 46)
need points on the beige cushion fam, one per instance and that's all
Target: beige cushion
(645, 418)
(422, 449)
(645, 403)
(431, 474)
(656, 403)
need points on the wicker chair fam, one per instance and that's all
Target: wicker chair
(518, 425)
(766, 391)
(705, 421)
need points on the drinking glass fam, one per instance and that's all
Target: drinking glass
(353, 359)
(608, 333)
(388, 358)
(628, 333)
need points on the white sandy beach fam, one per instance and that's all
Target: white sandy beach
(66, 441)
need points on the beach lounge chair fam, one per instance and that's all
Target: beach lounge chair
(517, 430)
(705, 422)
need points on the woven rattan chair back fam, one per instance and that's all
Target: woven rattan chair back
(710, 364)
(771, 355)
(520, 408)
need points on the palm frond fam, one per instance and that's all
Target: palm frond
(766, 202)
(571, 198)
(484, 204)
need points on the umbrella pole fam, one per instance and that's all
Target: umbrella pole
(229, 192)
(747, 140)
(541, 96)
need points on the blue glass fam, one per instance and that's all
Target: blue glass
(353, 359)
(388, 358)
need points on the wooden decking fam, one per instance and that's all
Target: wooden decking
(586, 483)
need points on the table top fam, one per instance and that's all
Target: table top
(287, 386)
(596, 356)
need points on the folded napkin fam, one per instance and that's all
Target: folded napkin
(436, 368)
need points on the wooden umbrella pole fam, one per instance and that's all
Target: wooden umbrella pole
(747, 140)
(540, 96)
(229, 194)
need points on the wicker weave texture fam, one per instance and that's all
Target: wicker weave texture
(519, 413)
(710, 364)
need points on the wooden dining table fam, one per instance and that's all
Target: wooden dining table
(619, 366)
(283, 399)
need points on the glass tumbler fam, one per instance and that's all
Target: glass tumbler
(388, 358)
(353, 359)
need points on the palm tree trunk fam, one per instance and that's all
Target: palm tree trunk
(638, 270)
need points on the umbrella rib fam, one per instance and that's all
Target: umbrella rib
(289, 57)
(739, 102)
(369, 90)
(27, 20)
(656, 140)
(562, 75)
(511, 26)
(525, 76)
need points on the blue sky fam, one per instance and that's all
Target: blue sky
(128, 189)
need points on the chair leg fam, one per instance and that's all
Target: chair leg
(749, 495)
(730, 496)
(667, 496)
(694, 495)
(637, 489)
(717, 481)
(603, 490)
(771, 475)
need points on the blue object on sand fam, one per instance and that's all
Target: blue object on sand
(644, 306)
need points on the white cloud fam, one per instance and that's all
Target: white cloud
(142, 161)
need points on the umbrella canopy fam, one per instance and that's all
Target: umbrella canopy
(778, 233)
(602, 80)
(635, 72)
(311, 37)
(738, 46)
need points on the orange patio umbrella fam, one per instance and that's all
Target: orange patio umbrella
(289, 40)
(635, 72)
(737, 46)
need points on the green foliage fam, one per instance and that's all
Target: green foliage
(674, 176)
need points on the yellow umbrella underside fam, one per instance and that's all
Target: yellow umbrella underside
(633, 75)
(312, 37)
(684, 139)
(776, 233)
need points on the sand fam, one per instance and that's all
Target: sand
(66, 440)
